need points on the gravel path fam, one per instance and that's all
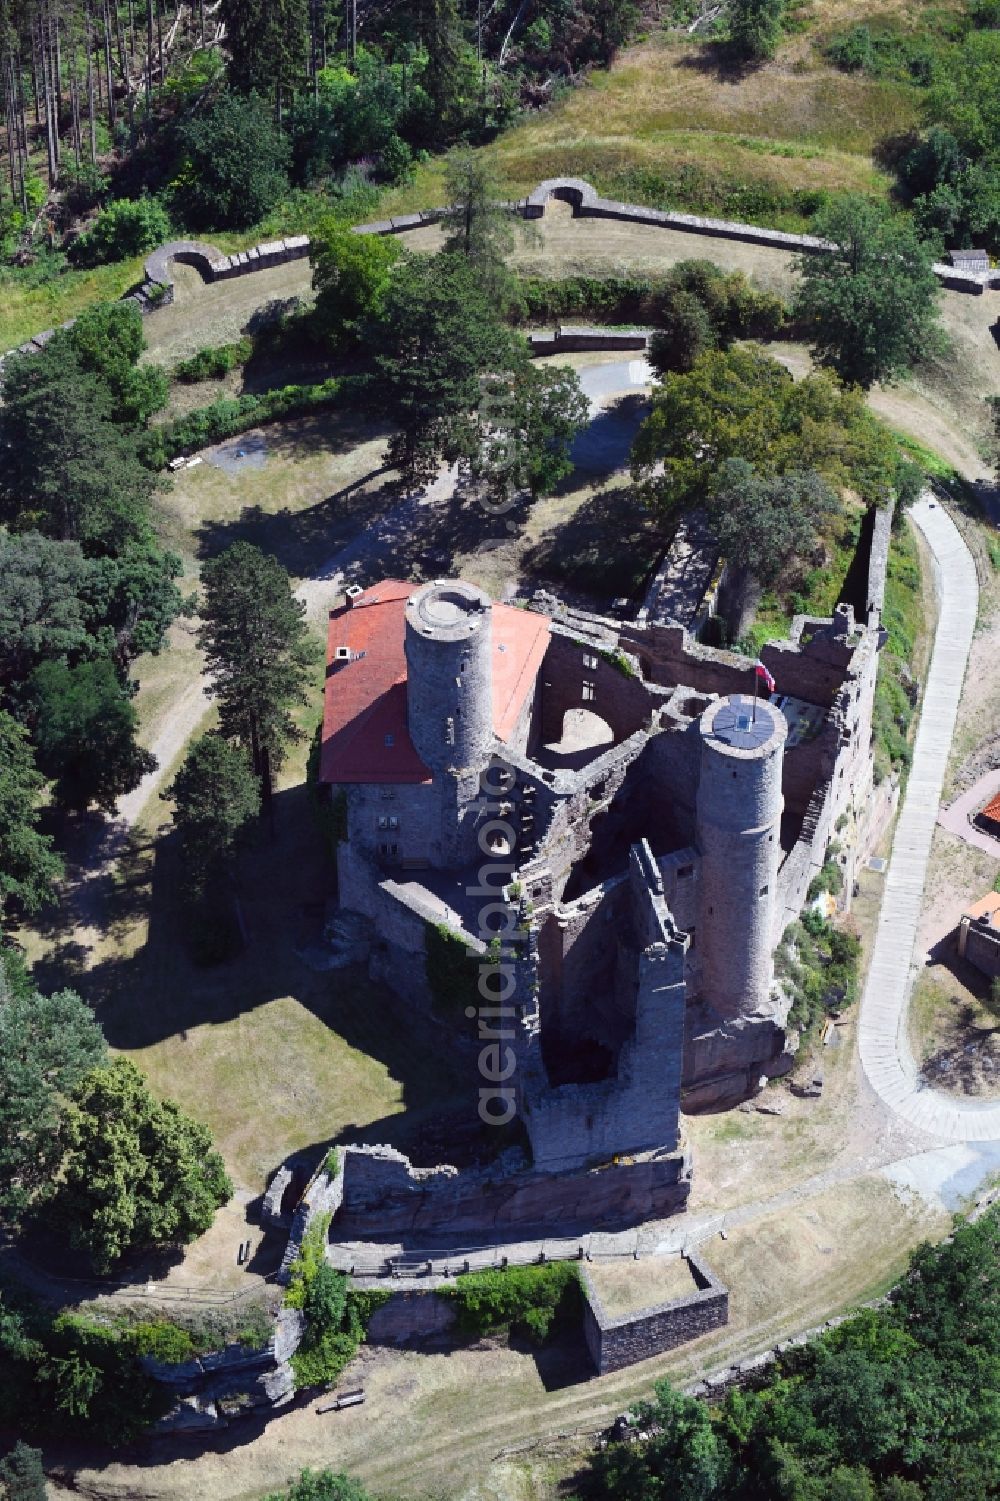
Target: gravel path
(956, 817)
(885, 1053)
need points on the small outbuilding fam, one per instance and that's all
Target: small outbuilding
(979, 934)
(973, 261)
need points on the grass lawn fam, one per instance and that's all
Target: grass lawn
(270, 1055)
(670, 126)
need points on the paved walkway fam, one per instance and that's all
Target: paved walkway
(957, 818)
(885, 1052)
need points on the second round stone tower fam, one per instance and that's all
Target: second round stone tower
(739, 836)
(449, 660)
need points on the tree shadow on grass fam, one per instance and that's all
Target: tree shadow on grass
(719, 60)
(607, 549)
(159, 992)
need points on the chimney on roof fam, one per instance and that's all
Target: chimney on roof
(353, 592)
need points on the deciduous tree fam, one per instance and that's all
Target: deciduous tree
(109, 340)
(29, 866)
(47, 1045)
(351, 275)
(232, 164)
(138, 1171)
(528, 421)
(755, 27)
(870, 304)
(42, 610)
(67, 468)
(761, 522)
(740, 403)
(441, 333)
(84, 730)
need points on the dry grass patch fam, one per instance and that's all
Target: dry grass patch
(795, 125)
(490, 1422)
(820, 1255)
(320, 484)
(954, 1035)
(625, 1286)
(217, 312)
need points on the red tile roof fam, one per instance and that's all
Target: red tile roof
(365, 735)
(987, 906)
(992, 809)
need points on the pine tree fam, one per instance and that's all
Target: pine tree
(268, 46)
(21, 1475)
(215, 797)
(259, 653)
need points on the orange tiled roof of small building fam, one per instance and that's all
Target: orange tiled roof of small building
(987, 906)
(992, 809)
(365, 734)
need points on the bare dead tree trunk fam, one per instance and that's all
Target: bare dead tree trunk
(106, 28)
(91, 97)
(74, 99)
(48, 100)
(149, 60)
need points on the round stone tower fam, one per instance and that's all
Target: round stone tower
(739, 828)
(449, 659)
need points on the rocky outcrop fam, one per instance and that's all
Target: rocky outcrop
(210, 1390)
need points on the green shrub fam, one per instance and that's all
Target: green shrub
(830, 878)
(312, 1255)
(214, 362)
(231, 415)
(818, 965)
(883, 49)
(452, 973)
(893, 709)
(69, 1376)
(163, 1341)
(127, 227)
(232, 161)
(527, 1300)
(335, 1318)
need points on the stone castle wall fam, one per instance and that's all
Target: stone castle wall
(384, 1195)
(574, 1125)
(619, 1342)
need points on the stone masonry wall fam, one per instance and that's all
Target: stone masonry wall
(157, 290)
(384, 1195)
(573, 1125)
(614, 1343)
(411, 1316)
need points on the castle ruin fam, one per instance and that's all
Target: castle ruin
(614, 800)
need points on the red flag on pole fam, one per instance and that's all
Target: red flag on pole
(764, 675)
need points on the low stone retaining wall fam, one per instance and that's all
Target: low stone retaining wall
(614, 1343)
(411, 1316)
(158, 288)
(568, 339)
